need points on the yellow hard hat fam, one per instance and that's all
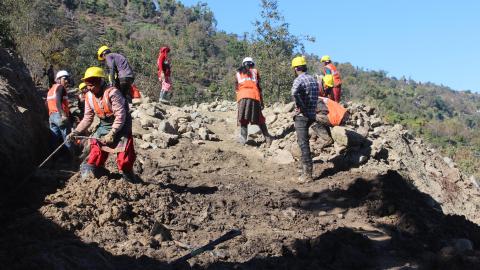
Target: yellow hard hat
(100, 51)
(299, 61)
(325, 58)
(93, 72)
(81, 86)
(328, 80)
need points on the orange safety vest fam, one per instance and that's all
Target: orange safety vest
(336, 75)
(102, 106)
(52, 101)
(336, 112)
(248, 85)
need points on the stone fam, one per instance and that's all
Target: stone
(282, 157)
(346, 137)
(137, 130)
(166, 127)
(144, 145)
(369, 110)
(376, 122)
(474, 181)
(149, 137)
(288, 107)
(254, 129)
(203, 133)
(289, 213)
(147, 122)
(270, 119)
(449, 162)
(136, 101)
(160, 232)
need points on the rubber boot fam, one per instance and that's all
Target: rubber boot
(87, 171)
(307, 174)
(162, 96)
(242, 138)
(266, 135)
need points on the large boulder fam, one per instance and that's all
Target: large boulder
(23, 122)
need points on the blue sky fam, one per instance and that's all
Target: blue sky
(427, 40)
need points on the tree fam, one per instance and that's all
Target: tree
(273, 48)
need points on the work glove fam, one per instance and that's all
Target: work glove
(71, 137)
(109, 138)
(63, 121)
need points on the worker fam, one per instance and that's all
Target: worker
(82, 91)
(50, 75)
(305, 95)
(330, 69)
(59, 111)
(250, 101)
(120, 74)
(327, 83)
(164, 74)
(114, 133)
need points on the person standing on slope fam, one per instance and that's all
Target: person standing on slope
(115, 130)
(120, 73)
(329, 69)
(305, 95)
(164, 74)
(250, 101)
(59, 111)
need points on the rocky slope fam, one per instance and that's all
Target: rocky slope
(23, 126)
(381, 199)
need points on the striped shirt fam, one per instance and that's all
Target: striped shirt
(305, 94)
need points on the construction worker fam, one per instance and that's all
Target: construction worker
(120, 74)
(164, 74)
(330, 69)
(82, 91)
(326, 86)
(114, 134)
(50, 75)
(305, 95)
(250, 101)
(58, 110)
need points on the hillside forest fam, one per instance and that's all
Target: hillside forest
(67, 34)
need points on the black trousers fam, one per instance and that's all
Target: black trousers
(302, 124)
(124, 86)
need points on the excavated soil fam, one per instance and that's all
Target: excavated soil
(348, 218)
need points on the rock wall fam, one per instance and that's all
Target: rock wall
(23, 122)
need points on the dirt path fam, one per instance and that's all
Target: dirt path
(354, 219)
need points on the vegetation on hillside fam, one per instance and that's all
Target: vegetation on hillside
(67, 34)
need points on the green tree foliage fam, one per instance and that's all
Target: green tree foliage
(448, 119)
(68, 33)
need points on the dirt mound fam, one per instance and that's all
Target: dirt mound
(23, 126)
(372, 214)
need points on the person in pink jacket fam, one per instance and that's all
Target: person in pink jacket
(164, 74)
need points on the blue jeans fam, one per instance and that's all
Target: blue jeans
(59, 131)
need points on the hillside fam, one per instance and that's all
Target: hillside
(204, 60)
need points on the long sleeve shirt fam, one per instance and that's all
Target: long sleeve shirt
(305, 94)
(61, 92)
(118, 64)
(119, 111)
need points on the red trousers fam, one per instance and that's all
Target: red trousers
(125, 159)
(337, 93)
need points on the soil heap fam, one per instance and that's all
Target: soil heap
(381, 199)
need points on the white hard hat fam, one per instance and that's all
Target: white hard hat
(62, 73)
(247, 59)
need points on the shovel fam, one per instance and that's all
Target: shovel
(210, 246)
